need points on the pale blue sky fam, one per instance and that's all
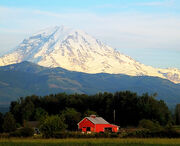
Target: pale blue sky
(147, 30)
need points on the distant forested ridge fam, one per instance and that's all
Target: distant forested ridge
(25, 78)
(129, 107)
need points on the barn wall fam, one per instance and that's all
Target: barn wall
(115, 129)
(86, 123)
(100, 127)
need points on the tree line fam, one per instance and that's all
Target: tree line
(127, 107)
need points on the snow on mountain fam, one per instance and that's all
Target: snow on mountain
(77, 51)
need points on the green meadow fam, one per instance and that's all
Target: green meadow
(90, 142)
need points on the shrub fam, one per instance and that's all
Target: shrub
(148, 124)
(16, 133)
(4, 135)
(145, 133)
(69, 134)
(23, 132)
(9, 123)
(27, 132)
(51, 125)
(138, 134)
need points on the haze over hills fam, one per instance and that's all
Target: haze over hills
(75, 50)
(23, 79)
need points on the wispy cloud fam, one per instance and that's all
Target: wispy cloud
(157, 3)
(120, 30)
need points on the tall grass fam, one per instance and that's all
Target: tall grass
(90, 142)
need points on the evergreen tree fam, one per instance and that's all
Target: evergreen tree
(40, 114)
(72, 117)
(9, 123)
(177, 114)
(1, 122)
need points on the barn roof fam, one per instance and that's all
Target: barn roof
(97, 120)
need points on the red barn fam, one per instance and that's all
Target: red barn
(96, 124)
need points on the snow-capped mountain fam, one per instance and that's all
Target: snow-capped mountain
(77, 51)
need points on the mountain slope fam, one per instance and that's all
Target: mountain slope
(26, 78)
(75, 50)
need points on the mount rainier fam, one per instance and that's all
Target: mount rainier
(75, 50)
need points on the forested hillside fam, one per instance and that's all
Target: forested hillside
(24, 79)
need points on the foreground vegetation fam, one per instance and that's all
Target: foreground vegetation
(89, 142)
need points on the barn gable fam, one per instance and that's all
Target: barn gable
(95, 120)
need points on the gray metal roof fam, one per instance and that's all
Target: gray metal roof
(97, 120)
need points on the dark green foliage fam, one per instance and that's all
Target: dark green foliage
(177, 114)
(1, 122)
(126, 108)
(153, 109)
(164, 133)
(68, 134)
(23, 132)
(148, 124)
(40, 114)
(27, 132)
(72, 117)
(144, 133)
(16, 110)
(24, 108)
(89, 112)
(129, 108)
(52, 124)
(9, 123)
(28, 110)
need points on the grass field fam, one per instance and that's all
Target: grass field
(89, 142)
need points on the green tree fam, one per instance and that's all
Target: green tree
(88, 112)
(51, 125)
(177, 114)
(1, 122)
(40, 114)
(72, 117)
(9, 123)
(124, 108)
(16, 110)
(27, 110)
(148, 124)
(154, 110)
